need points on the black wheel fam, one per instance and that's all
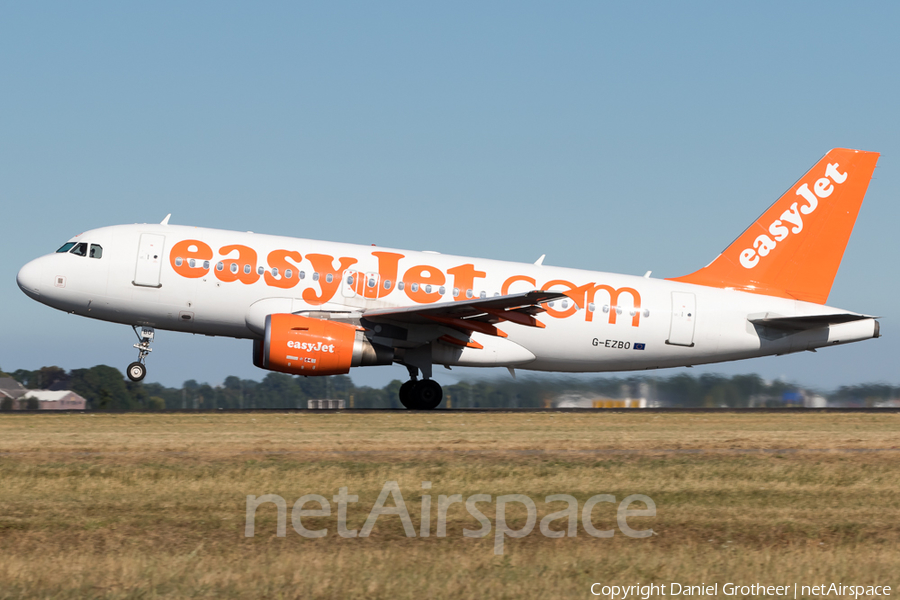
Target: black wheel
(406, 394)
(427, 394)
(136, 371)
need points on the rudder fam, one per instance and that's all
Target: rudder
(795, 248)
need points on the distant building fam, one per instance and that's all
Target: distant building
(888, 403)
(325, 404)
(61, 400)
(11, 389)
(14, 396)
(815, 401)
(585, 401)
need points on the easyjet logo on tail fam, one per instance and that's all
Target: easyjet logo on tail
(791, 221)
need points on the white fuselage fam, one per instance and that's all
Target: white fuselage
(621, 322)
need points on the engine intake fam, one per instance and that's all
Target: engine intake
(305, 346)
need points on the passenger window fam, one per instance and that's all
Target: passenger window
(400, 285)
(80, 249)
(414, 287)
(315, 276)
(288, 273)
(302, 274)
(66, 247)
(247, 269)
(469, 294)
(456, 292)
(274, 271)
(329, 277)
(387, 284)
(260, 270)
(219, 266)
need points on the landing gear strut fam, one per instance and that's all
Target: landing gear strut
(420, 394)
(137, 371)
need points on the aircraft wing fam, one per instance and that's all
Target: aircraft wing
(808, 321)
(466, 316)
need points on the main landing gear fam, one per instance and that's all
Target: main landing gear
(137, 371)
(420, 394)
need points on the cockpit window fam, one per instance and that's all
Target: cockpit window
(96, 251)
(80, 249)
(66, 247)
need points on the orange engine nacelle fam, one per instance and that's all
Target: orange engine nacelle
(305, 346)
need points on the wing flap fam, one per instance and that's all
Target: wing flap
(482, 309)
(467, 316)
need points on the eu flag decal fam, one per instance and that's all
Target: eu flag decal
(640, 346)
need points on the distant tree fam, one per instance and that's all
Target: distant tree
(32, 404)
(104, 387)
(866, 393)
(170, 396)
(232, 392)
(6, 404)
(681, 390)
(43, 378)
(24, 377)
(52, 378)
(278, 390)
(206, 397)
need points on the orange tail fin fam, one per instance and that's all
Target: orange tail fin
(795, 248)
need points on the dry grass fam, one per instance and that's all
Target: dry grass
(139, 506)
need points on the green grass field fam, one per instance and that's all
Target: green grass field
(153, 505)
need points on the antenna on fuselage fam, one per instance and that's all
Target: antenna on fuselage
(540, 261)
(166, 220)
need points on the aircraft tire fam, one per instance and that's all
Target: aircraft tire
(427, 394)
(406, 394)
(136, 371)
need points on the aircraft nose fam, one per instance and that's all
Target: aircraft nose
(29, 279)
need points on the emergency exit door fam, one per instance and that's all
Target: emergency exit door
(358, 284)
(149, 260)
(684, 314)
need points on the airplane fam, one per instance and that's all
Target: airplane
(317, 308)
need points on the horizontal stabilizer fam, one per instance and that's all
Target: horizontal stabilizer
(807, 322)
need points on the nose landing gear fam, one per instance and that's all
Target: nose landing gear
(137, 371)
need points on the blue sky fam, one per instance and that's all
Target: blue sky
(619, 137)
